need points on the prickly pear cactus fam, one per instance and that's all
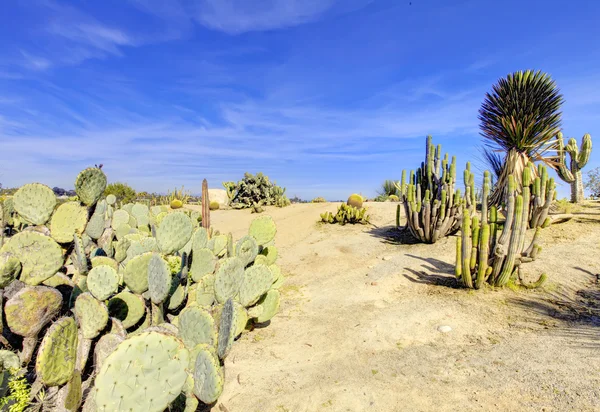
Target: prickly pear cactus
(208, 376)
(127, 307)
(56, 358)
(90, 185)
(204, 262)
(257, 281)
(263, 229)
(136, 273)
(174, 232)
(40, 256)
(91, 315)
(196, 325)
(31, 308)
(228, 278)
(267, 307)
(10, 267)
(34, 202)
(145, 373)
(159, 279)
(68, 219)
(227, 329)
(246, 249)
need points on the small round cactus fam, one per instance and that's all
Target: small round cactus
(355, 200)
(176, 204)
(214, 205)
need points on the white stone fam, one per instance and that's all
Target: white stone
(444, 329)
(218, 195)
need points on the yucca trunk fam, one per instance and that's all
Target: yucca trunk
(514, 164)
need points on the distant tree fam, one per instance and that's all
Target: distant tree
(59, 191)
(592, 182)
(122, 191)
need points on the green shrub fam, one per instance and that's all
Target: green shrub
(123, 192)
(318, 200)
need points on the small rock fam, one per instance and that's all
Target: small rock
(386, 258)
(373, 283)
(444, 329)
(370, 267)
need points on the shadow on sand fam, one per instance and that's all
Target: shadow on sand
(393, 235)
(435, 272)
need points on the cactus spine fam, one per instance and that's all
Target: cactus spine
(579, 158)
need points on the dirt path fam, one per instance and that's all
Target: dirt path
(358, 327)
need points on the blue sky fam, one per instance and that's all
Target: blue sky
(327, 97)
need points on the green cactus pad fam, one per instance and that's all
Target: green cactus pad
(40, 256)
(269, 305)
(263, 229)
(271, 254)
(241, 318)
(155, 210)
(208, 377)
(278, 277)
(246, 249)
(90, 185)
(218, 245)
(121, 247)
(55, 362)
(119, 217)
(228, 278)
(102, 282)
(261, 260)
(200, 238)
(104, 347)
(196, 325)
(10, 267)
(111, 199)
(122, 230)
(204, 262)
(177, 294)
(227, 329)
(127, 307)
(68, 219)
(203, 292)
(174, 232)
(145, 373)
(91, 315)
(74, 393)
(95, 226)
(141, 213)
(34, 202)
(104, 261)
(257, 281)
(60, 279)
(159, 279)
(136, 273)
(31, 308)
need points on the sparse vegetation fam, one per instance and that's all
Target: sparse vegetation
(123, 192)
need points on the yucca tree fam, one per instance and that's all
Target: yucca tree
(521, 117)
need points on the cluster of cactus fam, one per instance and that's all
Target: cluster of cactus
(175, 199)
(350, 212)
(433, 206)
(255, 190)
(318, 200)
(484, 254)
(579, 157)
(155, 299)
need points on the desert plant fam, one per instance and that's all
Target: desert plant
(346, 214)
(355, 200)
(432, 205)
(214, 205)
(484, 256)
(253, 189)
(140, 286)
(520, 117)
(388, 188)
(176, 199)
(592, 182)
(393, 198)
(123, 192)
(579, 158)
(318, 200)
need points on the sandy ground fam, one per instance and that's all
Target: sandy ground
(358, 326)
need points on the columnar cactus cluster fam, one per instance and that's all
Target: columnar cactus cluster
(483, 255)
(579, 157)
(153, 297)
(433, 205)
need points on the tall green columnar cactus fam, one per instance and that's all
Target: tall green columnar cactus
(482, 256)
(542, 193)
(205, 205)
(579, 158)
(432, 204)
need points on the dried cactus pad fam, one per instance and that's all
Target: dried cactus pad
(57, 354)
(145, 373)
(263, 229)
(40, 256)
(227, 329)
(127, 307)
(174, 232)
(102, 282)
(228, 278)
(10, 267)
(208, 377)
(90, 185)
(257, 281)
(159, 279)
(69, 218)
(196, 325)
(35, 202)
(246, 249)
(31, 308)
(91, 315)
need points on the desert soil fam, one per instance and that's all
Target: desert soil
(361, 308)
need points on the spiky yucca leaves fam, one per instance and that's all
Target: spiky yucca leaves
(520, 116)
(579, 158)
(432, 204)
(388, 188)
(483, 256)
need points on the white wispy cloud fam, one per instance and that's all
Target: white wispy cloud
(240, 16)
(35, 62)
